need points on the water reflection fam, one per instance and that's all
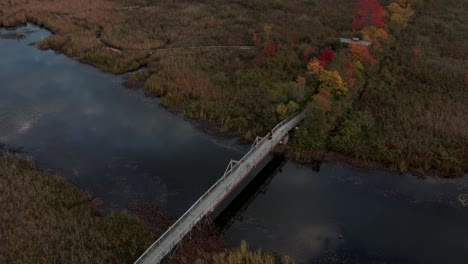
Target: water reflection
(345, 215)
(234, 209)
(114, 143)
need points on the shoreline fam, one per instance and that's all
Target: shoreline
(359, 164)
(213, 128)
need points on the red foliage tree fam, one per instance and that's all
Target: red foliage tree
(368, 12)
(326, 56)
(270, 48)
(259, 60)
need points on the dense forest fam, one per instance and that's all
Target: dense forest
(402, 101)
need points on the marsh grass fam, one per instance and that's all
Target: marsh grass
(220, 85)
(44, 219)
(243, 255)
(152, 25)
(417, 106)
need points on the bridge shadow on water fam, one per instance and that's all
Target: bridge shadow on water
(235, 208)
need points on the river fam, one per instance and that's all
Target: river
(120, 146)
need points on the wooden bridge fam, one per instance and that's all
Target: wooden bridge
(234, 174)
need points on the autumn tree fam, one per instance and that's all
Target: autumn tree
(325, 56)
(401, 12)
(368, 12)
(322, 100)
(314, 67)
(417, 50)
(375, 35)
(267, 31)
(283, 110)
(270, 48)
(255, 38)
(331, 80)
(361, 53)
(259, 60)
(350, 73)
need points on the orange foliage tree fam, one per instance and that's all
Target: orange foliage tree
(322, 100)
(361, 53)
(350, 73)
(314, 67)
(375, 35)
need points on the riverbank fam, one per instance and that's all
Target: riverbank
(246, 92)
(44, 219)
(317, 157)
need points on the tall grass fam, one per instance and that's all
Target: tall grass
(243, 255)
(43, 219)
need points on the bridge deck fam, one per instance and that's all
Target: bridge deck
(234, 174)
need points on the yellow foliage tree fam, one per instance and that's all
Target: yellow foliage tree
(359, 65)
(332, 80)
(375, 35)
(292, 106)
(267, 30)
(314, 67)
(282, 111)
(401, 13)
(399, 20)
(403, 8)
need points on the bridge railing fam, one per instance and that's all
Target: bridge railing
(285, 121)
(226, 175)
(171, 229)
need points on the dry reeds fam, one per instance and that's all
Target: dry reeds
(43, 219)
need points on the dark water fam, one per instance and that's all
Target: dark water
(120, 146)
(381, 217)
(111, 141)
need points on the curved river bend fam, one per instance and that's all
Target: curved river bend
(120, 146)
